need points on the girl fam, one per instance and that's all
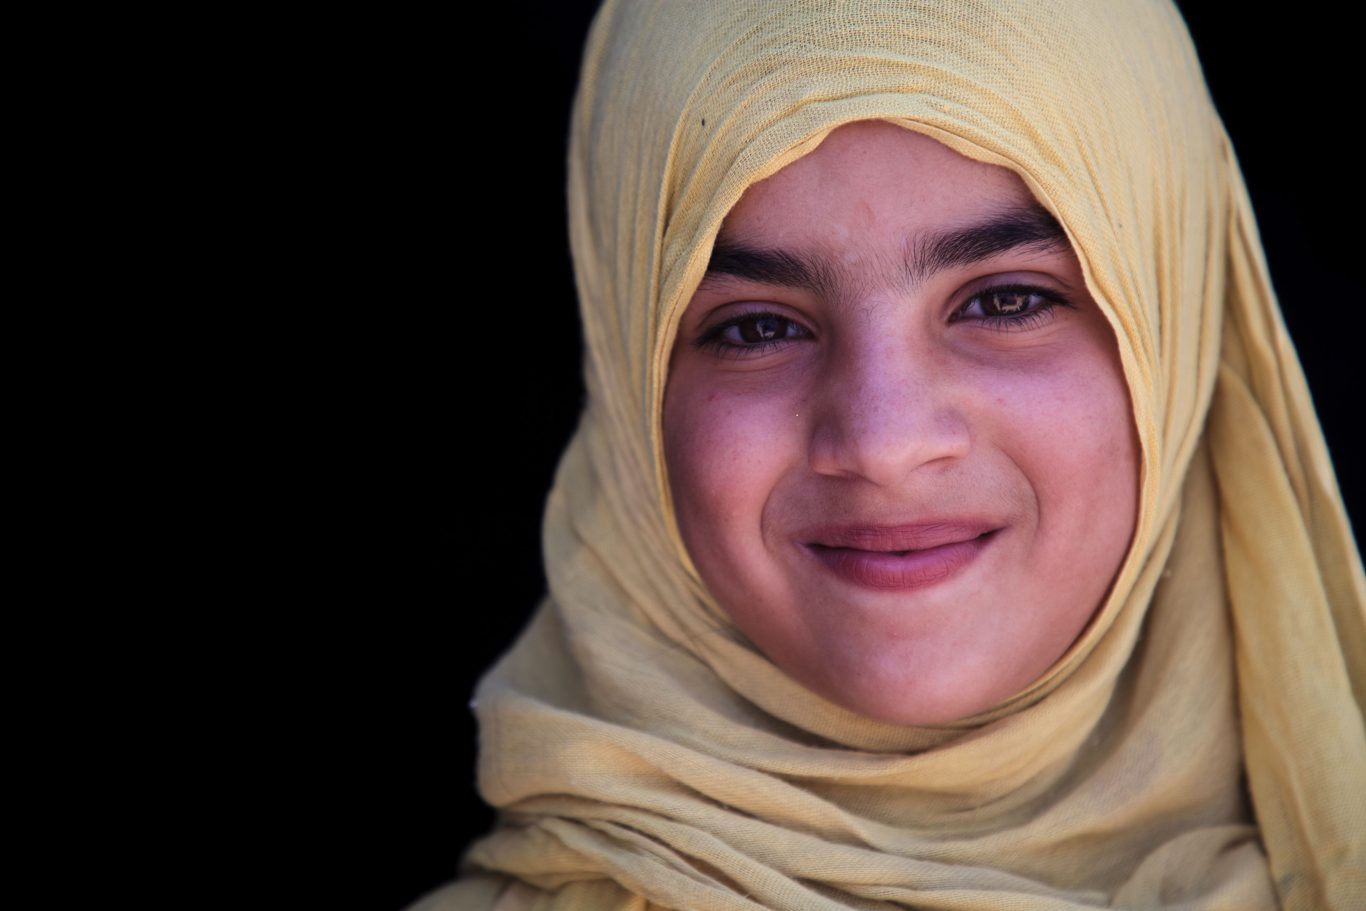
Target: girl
(948, 526)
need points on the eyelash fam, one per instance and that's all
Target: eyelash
(1028, 319)
(714, 337)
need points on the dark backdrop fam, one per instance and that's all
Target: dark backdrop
(454, 392)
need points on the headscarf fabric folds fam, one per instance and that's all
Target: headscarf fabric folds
(1200, 746)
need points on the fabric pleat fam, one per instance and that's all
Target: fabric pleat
(1201, 746)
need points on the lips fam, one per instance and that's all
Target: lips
(899, 557)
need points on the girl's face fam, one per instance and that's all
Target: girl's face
(898, 435)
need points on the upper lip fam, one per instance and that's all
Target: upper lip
(897, 538)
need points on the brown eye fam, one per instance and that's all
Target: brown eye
(1008, 303)
(1009, 306)
(763, 329)
(753, 333)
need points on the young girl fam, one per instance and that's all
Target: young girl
(948, 526)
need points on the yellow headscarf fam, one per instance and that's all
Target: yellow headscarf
(643, 754)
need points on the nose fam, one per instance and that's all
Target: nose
(884, 411)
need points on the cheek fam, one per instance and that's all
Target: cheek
(1096, 434)
(712, 455)
(1077, 445)
(725, 452)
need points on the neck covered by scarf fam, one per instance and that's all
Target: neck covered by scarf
(1200, 746)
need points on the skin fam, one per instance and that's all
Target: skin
(915, 492)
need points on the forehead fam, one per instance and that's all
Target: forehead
(871, 178)
(878, 206)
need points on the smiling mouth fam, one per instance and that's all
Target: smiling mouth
(901, 558)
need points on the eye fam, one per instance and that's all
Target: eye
(1010, 306)
(750, 333)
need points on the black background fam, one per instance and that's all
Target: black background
(436, 410)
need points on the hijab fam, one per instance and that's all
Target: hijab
(1201, 745)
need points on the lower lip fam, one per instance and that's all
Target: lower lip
(899, 572)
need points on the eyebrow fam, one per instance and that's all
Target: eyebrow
(1026, 227)
(771, 267)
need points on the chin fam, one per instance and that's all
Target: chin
(902, 696)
